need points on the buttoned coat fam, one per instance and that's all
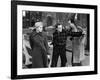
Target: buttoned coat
(39, 45)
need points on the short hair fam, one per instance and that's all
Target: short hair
(56, 26)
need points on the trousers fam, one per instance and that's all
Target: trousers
(59, 50)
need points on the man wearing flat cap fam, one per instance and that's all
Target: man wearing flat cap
(39, 45)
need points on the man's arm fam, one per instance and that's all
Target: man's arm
(53, 39)
(46, 45)
(75, 34)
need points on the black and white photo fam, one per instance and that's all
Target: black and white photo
(53, 39)
(66, 36)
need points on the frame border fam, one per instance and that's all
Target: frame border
(14, 39)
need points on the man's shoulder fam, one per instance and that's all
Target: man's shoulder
(55, 32)
(44, 33)
(33, 33)
(63, 30)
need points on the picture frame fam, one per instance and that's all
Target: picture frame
(16, 32)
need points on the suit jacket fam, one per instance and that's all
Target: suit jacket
(59, 38)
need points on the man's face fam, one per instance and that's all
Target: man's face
(40, 28)
(59, 28)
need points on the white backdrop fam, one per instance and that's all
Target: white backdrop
(5, 40)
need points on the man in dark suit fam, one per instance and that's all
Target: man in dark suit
(59, 44)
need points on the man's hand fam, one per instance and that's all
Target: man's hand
(84, 32)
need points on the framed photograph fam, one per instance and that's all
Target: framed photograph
(53, 39)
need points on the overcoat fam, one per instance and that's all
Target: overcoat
(39, 45)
